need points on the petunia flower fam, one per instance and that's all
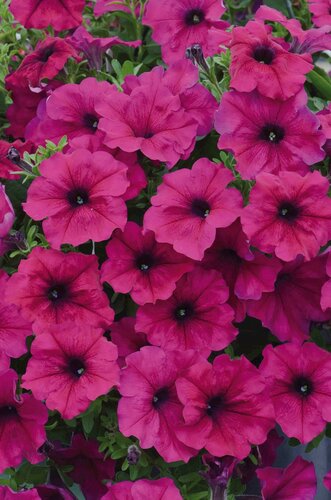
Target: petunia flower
(267, 135)
(7, 217)
(298, 480)
(70, 110)
(149, 407)
(51, 287)
(6, 166)
(89, 467)
(151, 119)
(32, 494)
(288, 214)
(46, 61)
(159, 489)
(226, 407)
(327, 481)
(190, 205)
(70, 367)
(299, 384)
(60, 14)
(22, 421)
(124, 335)
(321, 11)
(181, 23)
(248, 273)
(289, 310)
(138, 265)
(103, 6)
(259, 62)
(79, 196)
(326, 289)
(196, 316)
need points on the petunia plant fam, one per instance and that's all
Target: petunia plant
(165, 236)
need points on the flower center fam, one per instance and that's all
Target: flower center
(91, 121)
(288, 212)
(264, 54)
(7, 412)
(214, 406)
(76, 367)
(194, 16)
(78, 197)
(144, 262)
(160, 397)
(303, 386)
(183, 312)
(56, 293)
(272, 133)
(200, 208)
(45, 54)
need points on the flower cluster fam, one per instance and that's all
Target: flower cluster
(165, 231)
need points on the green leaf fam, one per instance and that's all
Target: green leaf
(314, 443)
(321, 83)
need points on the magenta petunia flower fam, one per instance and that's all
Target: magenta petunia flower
(326, 289)
(181, 79)
(6, 166)
(259, 62)
(13, 328)
(7, 217)
(289, 310)
(46, 61)
(181, 23)
(49, 492)
(247, 273)
(288, 214)
(22, 421)
(297, 481)
(151, 119)
(60, 14)
(226, 407)
(71, 110)
(79, 196)
(51, 287)
(327, 481)
(149, 408)
(70, 367)
(190, 205)
(90, 467)
(138, 265)
(194, 317)
(321, 11)
(124, 335)
(8, 494)
(299, 384)
(159, 489)
(268, 135)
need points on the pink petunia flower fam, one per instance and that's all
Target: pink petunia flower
(326, 289)
(268, 135)
(181, 78)
(247, 273)
(190, 205)
(46, 61)
(138, 265)
(8, 494)
(60, 14)
(299, 384)
(149, 408)
(124, 335)
(93, 48)
(70, 367)
(151, 119)
(90, 467)
(321, 11)
(51, 287)
(327, 481)
(6, 166)
(288, 214)
(22, 421)
(259, 62)
(297, 481)
(13, 328)
(7, 217)
(226, 407)
(159, 489)
(79, 196)
(71, 110)
(181, 23)
(194, 317)
(289, 310)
